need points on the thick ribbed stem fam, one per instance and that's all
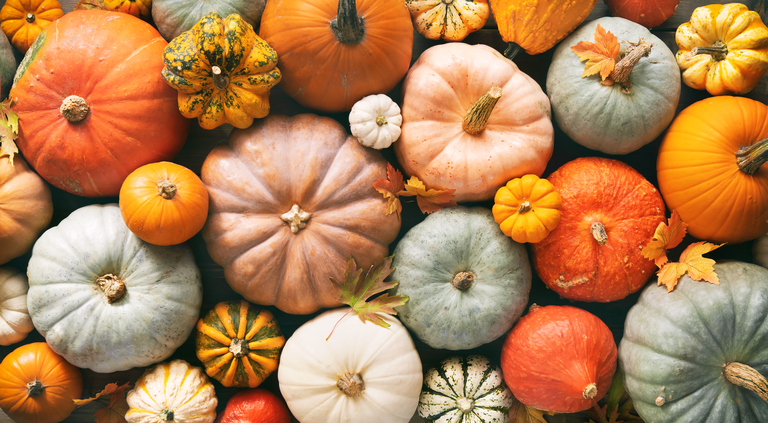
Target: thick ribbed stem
(750, 158)
(114, 288)
(525, 207)
(512, 50)
(220, 80)
(166, 415)
(348, 27)
(166, 189)
(598, 232)
(239, 347)
(590, 391)
(351, 384)
(74, 108)
(718, 51)
(35, 388)
(477, 117)
(624, 67)
(463, 280)
(745, 376)
(296, 218)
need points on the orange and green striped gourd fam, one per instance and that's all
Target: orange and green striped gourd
(238, 343)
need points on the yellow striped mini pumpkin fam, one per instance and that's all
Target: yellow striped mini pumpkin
(239, 344)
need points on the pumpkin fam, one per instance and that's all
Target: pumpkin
(609, 213)
(238, 345)
(760, 251)
(255, 406)
(467, 283)
(70, 127)
(710, 169)
(174, 17)
(15, 322)
(106, 300)
(700, 352)
(137, 8)
(537, 25)
(472, 136)
(164, 203)
(450, 20)
(37, 385)
(723, 49)
(375, 121)
(173, 392)
(334, 52)
(559, 359)
(460, 390)
(291, 200)
(361, 373)
(647, 13)
(527, 209)
(23, 20)
(8, 66)
(222, 70)
(26, 208)
(614, 119)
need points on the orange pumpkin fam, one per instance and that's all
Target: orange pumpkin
(527, 209)
(710, 169)
(23, 20)
(164, 203)
(334, 52)
(37, 385)
(137, 8)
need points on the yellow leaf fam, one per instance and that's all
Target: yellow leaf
(693, 263)
(665, 237)
(520, 413)
(428, 200)
(600, 55)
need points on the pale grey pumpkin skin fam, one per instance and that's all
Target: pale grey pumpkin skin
(675, 345)
(155, 316)
(8, 66)
(602, 117)
(174, 17)
(449, 241)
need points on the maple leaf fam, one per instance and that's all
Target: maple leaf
(9, 128)
(600, 55)
(665, 237)
(691, 262)
(356, 293)
(428, 200)
(391, 188)
(521, 413)
(115, 411)
(108, 390)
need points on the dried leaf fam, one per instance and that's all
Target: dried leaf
(391, 188)
(521, 413)
(90, 4)
(355, 293)
(115, 411)
(428, 200)
(665, 237)
(108, 390)
(600, 55)
(9, 128)
(691, 262)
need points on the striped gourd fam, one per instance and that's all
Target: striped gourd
(238, 344)
(470, 390)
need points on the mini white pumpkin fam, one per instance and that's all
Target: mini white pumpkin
(375, 121)
(760, 251)
(173, 392)
(15, 322)
(363, 373)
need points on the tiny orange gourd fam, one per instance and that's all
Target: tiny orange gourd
(527, 208)
(23, 20)
(164, 203)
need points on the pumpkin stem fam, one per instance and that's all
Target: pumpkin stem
(463, 280)
(166, 189)
(220, 80)
(35, 388)
(598, 232)
(296, 218)
(166, 415)
(590, 391)
(747, 377)
(113, 287)
(351, 384)
(465, 404)
(525, 207)
(239, 347)
(512, 50)
(624, 67)
(381, 120)
(718, 51)
(348, 27)
(477, 117)
(74, 108)
(750, 158)
(30, 18)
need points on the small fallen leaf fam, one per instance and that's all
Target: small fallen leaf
(691, 262)
(9, 128)
(521, 413)
(89, 4)
(108, 390)
(391, 188)
(667, 236)
(428, 200)
(600, 55)
(115, 411)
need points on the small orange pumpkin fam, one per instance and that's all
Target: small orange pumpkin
(164, 203)
(137, 8)
(527, 209)
(23, 20)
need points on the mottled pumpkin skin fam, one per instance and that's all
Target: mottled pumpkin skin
(223, 328)
(570, 260)
(675, 345)
(174, 17)
(431, 254)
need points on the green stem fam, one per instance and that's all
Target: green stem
(512, 50)
(750, 158)
(348, 27)
(718, 51)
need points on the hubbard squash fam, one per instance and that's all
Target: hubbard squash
(23, 20)
(15, 322)
(174, 17)
(8, 66)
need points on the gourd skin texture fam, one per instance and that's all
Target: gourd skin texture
(676, 344)
(7, 66)
(447, 242)
(15, 322)
(602, 117)
(450, 20)
(174, 17)
(386, 359)
(163, 292)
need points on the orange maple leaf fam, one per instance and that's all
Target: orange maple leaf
(391, 188)
(108, 390)
(115, 411)
(665, 237)
(428, 200)
(693, 263)
(600, 55)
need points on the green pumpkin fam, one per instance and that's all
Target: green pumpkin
(174, 17)
(676, 346)
(467, 282)
(603, 117)
(8, 66)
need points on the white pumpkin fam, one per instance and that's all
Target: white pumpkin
(363, 373)
(375, 121)
(173, 392)
(15, 322)
(106, 300)
(760, 251)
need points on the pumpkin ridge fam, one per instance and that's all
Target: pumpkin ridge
(715, 200)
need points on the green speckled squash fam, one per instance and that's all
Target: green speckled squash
(470, 390)
(604, 118)
(239, 344)
(222, 70)
(682, 351)
(467, 282)
(7, 66)
(174, 17)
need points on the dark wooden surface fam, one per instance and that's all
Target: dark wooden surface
(200, 142)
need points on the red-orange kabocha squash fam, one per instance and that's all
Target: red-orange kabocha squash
(609, 213)
(559, 358)
(92, 104)
(292, 198)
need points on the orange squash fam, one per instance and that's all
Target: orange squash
(23, 20)
(137, 8)
(710, 169)
(527, 209)
(164, 203)
(38, 385)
